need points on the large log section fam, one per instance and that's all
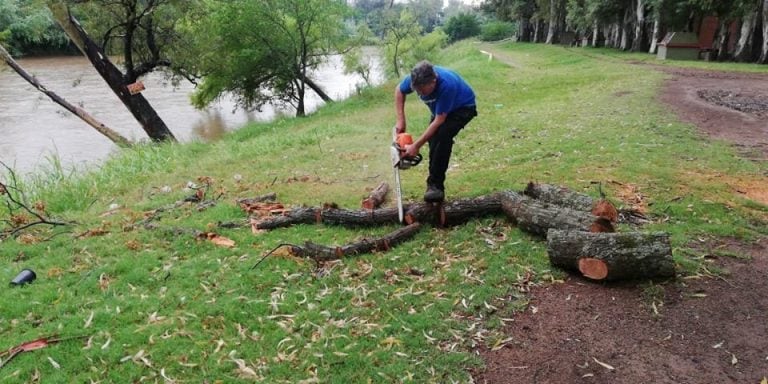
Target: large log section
(537, 218)
(612, 256)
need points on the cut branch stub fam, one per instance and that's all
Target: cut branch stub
(376, 197)
(612, 256)
(537, 218)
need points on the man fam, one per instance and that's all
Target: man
(452, 104)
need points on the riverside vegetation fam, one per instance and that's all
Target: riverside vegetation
(159, 305)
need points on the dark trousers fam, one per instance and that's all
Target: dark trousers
(441, 144)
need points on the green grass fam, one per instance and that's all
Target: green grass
(154, 302)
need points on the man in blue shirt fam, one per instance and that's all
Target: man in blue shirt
(452, 104)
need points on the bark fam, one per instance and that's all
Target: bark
(150, 121)
(537, 218)
(376, 197)
(625, 30)
(553, 194)
(450, 213)
(743, 51)
(655, 35)
(612, 256)
(637, 41)
(764, 48)
(552, 29)
(323, 253)
(721, 42)
(77, 111)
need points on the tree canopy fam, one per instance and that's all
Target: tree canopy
(263, 51)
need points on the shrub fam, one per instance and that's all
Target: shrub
(462, 26)
(497, 30)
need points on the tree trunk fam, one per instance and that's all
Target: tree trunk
(552, 29)
(595, 34)
(150, 121)
(626, 25)
(77, 111)
(537, 218)
(450, 213)
(655, 35)
(637, 41)
(764, 49)
(612, 256)
(376, 197)
(553, 194)
(721, 42)
(743, 51)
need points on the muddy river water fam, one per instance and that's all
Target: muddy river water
(34, 130)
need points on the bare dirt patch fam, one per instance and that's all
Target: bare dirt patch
(723, 105)
(695, 329)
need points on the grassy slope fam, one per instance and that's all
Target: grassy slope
(154, 303)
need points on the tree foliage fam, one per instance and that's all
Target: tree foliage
(263, 51)
(26, 27)
(462, 26)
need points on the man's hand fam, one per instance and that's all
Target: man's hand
(399, 127)
(411, 150)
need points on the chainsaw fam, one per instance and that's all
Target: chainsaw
(399, 161)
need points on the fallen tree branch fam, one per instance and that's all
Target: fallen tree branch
(322, 253)
(109, 133)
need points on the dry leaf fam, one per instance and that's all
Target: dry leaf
(604, 365)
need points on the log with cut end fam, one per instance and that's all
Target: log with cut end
(564, 197)
(612, 256)
(537, 218)
(376, 197)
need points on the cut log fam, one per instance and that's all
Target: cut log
(612, 256)
(456, 212)
(562, 196)
(324, 253)
(376, 197)
(536, 217)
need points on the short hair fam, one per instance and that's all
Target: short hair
(423, 73)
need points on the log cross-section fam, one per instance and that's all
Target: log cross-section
(612, 256)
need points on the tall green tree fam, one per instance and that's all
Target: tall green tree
(402, 33)
(462, 26)
(264, 51)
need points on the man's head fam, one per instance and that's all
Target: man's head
(423, 78)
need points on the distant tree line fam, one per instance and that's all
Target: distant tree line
(638, 25)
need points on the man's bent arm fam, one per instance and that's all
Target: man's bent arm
(399, 110)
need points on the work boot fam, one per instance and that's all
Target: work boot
(434, 194)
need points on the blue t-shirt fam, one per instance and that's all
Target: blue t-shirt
(451, 92)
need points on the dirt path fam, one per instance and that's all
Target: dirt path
(691, 330)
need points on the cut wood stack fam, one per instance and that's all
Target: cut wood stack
(599, 255)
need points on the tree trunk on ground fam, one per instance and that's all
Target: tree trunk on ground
(150, 121)
(453, 213)
(764, 49)
(553, 194)
(537, 218)
(612, 256)
(77, 111)
(743, 51)
(376, 197)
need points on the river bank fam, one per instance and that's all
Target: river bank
(37, 133)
